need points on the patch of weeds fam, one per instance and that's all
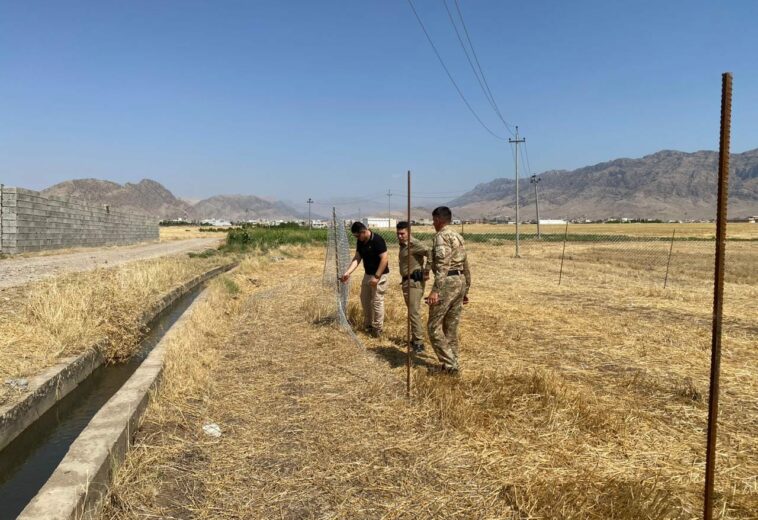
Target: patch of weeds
(230, 286)
(205, 254)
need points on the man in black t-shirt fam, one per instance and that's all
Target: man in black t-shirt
(372, 250)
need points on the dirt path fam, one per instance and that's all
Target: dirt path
(19, 271)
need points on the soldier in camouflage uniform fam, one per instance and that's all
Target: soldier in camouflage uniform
(452, 280)
(413, 281)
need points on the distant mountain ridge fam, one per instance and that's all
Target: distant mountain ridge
(147, 196)
(666, 185)
(243, 207)
(152, 198)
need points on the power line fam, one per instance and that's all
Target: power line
(526, 150)
(450, 76)
(524, 161)
(481, 80)
(479, 66)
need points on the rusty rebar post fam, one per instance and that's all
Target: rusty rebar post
(565, 236)
(408, 325)
(718, 293)
(668, 262)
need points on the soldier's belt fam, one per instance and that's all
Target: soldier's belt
(416, 276)
(454, 273)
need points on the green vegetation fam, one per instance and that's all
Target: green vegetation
(230, 285)
(265, 238)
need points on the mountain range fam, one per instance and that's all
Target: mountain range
(665, 185)
(152, 198)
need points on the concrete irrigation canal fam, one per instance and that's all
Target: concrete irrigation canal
(29, 460)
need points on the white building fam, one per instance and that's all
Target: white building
(379, 222)
(549, 221)
(215, 222)
(318, 224)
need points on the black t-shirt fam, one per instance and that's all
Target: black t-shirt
(370, 251)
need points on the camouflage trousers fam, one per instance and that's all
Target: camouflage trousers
(413, 302)
(443, 321)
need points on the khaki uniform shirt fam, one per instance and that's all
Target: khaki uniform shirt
(419, 257)
(448, 254)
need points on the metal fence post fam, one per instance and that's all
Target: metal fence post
(337, 259)
(408, 325)
(565, 236)
(668, 263)
(718, 293)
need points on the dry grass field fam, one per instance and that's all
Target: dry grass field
(43, 321)
(741, 230)
(584, 400)
(169, 233)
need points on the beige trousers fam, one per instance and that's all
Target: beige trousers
(372, 301)
(413, 302)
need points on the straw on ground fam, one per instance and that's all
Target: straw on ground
(579, 401)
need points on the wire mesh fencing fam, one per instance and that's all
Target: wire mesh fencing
(336, 262)
(659, 255)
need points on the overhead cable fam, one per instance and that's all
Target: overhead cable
(478, 64)
(449, 75)
(476, 69)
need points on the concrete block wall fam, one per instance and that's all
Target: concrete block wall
(30, 221)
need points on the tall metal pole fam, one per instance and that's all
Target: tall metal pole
(535, 180)
(718, 293)
(389, 207)
(309, 201)
(337, 259)
(408, 325)
(516, 141)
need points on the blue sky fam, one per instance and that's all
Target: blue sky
(339, 98)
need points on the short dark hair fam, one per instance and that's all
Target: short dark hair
(443, 212)
(357, 227)
(403, 224)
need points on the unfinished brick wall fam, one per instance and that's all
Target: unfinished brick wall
(30, 221)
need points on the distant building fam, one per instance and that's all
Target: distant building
(379, 222)
(215, 222)
(549, 221)
(318, 224)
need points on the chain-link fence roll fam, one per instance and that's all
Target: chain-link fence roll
(336, 262)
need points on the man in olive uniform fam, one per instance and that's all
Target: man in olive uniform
(452, 280)
(413, 280)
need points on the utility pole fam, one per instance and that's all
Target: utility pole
(516, 141)
(535, 180)
(389, 207)
(309, 201)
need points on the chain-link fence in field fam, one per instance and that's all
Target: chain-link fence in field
(336, 262)
(662, 255)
